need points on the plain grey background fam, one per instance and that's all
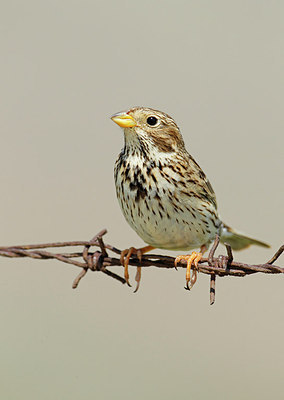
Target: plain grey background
(66, 66)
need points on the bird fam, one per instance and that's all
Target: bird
(164, 194)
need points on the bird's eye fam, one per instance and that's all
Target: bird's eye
(152, 121)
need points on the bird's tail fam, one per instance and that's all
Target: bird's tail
(237, 240)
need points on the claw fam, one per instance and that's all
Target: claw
(124, 259)
(191, 258)
(137, 278)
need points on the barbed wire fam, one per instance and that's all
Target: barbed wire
(223, 265)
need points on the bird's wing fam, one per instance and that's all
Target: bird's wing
(202, 185)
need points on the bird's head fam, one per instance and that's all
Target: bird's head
(150, 128)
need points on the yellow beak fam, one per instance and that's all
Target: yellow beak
(124, 120)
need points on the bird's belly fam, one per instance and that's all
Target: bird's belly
(162, 224)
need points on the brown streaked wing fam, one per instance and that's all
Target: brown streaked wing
(204, 188)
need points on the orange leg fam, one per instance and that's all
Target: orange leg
(125, 257)
(192, 258)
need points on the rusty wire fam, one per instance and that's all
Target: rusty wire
(223, 265)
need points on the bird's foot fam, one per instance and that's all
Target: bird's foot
(192, 258)
(124, 259)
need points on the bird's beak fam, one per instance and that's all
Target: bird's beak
(124, 120)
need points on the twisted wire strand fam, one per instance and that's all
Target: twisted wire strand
(223, 265)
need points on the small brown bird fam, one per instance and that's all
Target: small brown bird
(164, 194)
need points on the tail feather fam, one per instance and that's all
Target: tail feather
(237, 240)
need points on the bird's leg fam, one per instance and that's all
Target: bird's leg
(125, 257)
(194, 258)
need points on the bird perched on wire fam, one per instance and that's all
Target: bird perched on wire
(164, 194)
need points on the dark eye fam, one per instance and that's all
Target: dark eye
(152, 121)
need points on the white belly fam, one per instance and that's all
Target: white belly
(160, 223)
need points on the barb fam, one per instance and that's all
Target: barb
(212, 289)
(99, 260)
